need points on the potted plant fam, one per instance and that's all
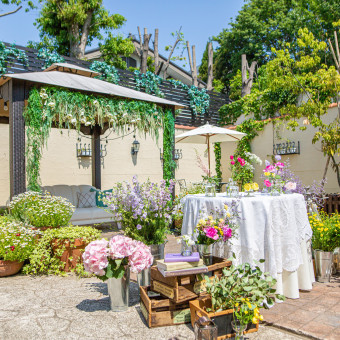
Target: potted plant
(325, 239)
(41, 210)
(236, 297)
(60, 250)
(210, 231)
(112, 261)
(145, 212)
(16, 244)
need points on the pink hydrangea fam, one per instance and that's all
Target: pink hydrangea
(121, 246)
(267, 183)
(227, 232)
(211, 233)
(141, 258)
(95, 257)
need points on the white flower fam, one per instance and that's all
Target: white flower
(87, 123)
(290, 185)
(83, 120)
(51, 104)
(69, 116)
(74, 121)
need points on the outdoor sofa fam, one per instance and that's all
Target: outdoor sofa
(81, 216)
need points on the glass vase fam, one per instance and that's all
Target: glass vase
(239, 329)
(186, 249)
(232, 189)
(206, 253)
(210, 190)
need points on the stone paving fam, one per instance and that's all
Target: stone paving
(51, 307)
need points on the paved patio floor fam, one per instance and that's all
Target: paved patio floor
(71, 308)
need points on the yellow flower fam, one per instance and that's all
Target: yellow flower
(261, 317)
(321, 235)
(249, 305)
(245, 312)
(201, 221)
(236, 304)
(210, 217)
(326, 229)
(267, 173)
(247, 299)
(247, 187)
(225, 207)
(228, 215)
(221, 220)
(243, 299)
(255, 186)
(254, 320)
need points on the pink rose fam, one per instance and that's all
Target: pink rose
(279, 165)
(267, 183)
(239, 159)
(231, 157)
(290, 186)
(270, 168)
(211, 233)
(95, 257)
(121, 246)
(232, 162)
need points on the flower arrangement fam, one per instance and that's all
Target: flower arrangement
(326, 231)
(108, 259)
(41, 209)
(145, 210)
(17, 241)
(251, 187)
(210, 230)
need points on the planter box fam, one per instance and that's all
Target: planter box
(222, 319)
(8, 268)
(72, 250)
(160, 311)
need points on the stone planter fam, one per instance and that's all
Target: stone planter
(72, 250)
(8, 268)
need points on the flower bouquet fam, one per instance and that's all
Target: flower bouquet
(112, 260)
(273, 176)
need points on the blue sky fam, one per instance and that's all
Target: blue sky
(200, 19)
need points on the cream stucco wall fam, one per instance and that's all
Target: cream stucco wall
(309, 165)
(59, 164)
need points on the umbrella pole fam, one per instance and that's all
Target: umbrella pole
(209, 156)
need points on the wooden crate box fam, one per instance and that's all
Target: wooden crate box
(160, 311)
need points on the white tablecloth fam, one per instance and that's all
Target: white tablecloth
(274, 228)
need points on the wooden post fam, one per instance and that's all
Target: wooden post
(210, 67)
(156, 54)
(17, 137)
(96, 166)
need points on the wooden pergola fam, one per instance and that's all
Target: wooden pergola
(14, 92)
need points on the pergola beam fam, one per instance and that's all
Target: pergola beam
(96, 159)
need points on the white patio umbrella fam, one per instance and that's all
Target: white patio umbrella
(207, 134)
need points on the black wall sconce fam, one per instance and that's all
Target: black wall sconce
(135, 146)
(178, 154)
(288, 148)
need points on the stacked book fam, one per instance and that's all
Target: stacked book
(174, 264)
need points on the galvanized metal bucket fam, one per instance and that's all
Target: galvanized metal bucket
(119, 292)
(323, 265)
(144, 277)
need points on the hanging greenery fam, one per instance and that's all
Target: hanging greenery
(199, 98)
(217, 151)
(169, 165)
(68, 109)
(49, 57)
(8, 53)
(107, 72)
(149, 82)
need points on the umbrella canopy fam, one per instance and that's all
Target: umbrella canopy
(66, 67)
(207, 134)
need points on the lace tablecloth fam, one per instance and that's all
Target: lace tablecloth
(274, 228)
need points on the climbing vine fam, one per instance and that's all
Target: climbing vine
(68, 109)
(8, 53)
(169, 165)
(149, 82)
(199, 98)
(217, 151)
(107, 72)
(49, 57)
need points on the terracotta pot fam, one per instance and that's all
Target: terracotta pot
(8, 268)
(73, 250)
(43, 228)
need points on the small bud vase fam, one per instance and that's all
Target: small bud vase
(239, 329)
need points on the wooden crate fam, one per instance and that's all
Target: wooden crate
(176, 288)
(221, 319)
(218, 264)
(160, 311)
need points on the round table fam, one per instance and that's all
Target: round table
(273, 228)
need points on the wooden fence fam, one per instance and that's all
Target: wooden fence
(127, 79)
(332, 203)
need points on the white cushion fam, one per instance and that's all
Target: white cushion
(93, 213)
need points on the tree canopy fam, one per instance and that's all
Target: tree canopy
(265, 24)
(74, 24)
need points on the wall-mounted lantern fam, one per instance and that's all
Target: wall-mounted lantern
(178, 154)
(288, 148)
(135, 146)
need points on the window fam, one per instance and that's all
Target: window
(130, 62)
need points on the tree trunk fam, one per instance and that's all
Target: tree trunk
(84, 35)
(156, 55)
(145, 52)
(247, 82)
(210, 67)
(192, 63)
(335, 166)
(74, 40)
(139, 51)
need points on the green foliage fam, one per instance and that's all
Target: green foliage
(217, 151)
(114, 48)
(107, 72)
(264, 24)
(203, 68)
(17, 240)
(49, 57)
(115, 268)
(29, 4)
(41, 209)
(44, 260)
(9, 55)
(68, 109)
(199, 98)
(239, 284)
(326, 231)
(76, 24)
(149, 82)
(169, 165)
